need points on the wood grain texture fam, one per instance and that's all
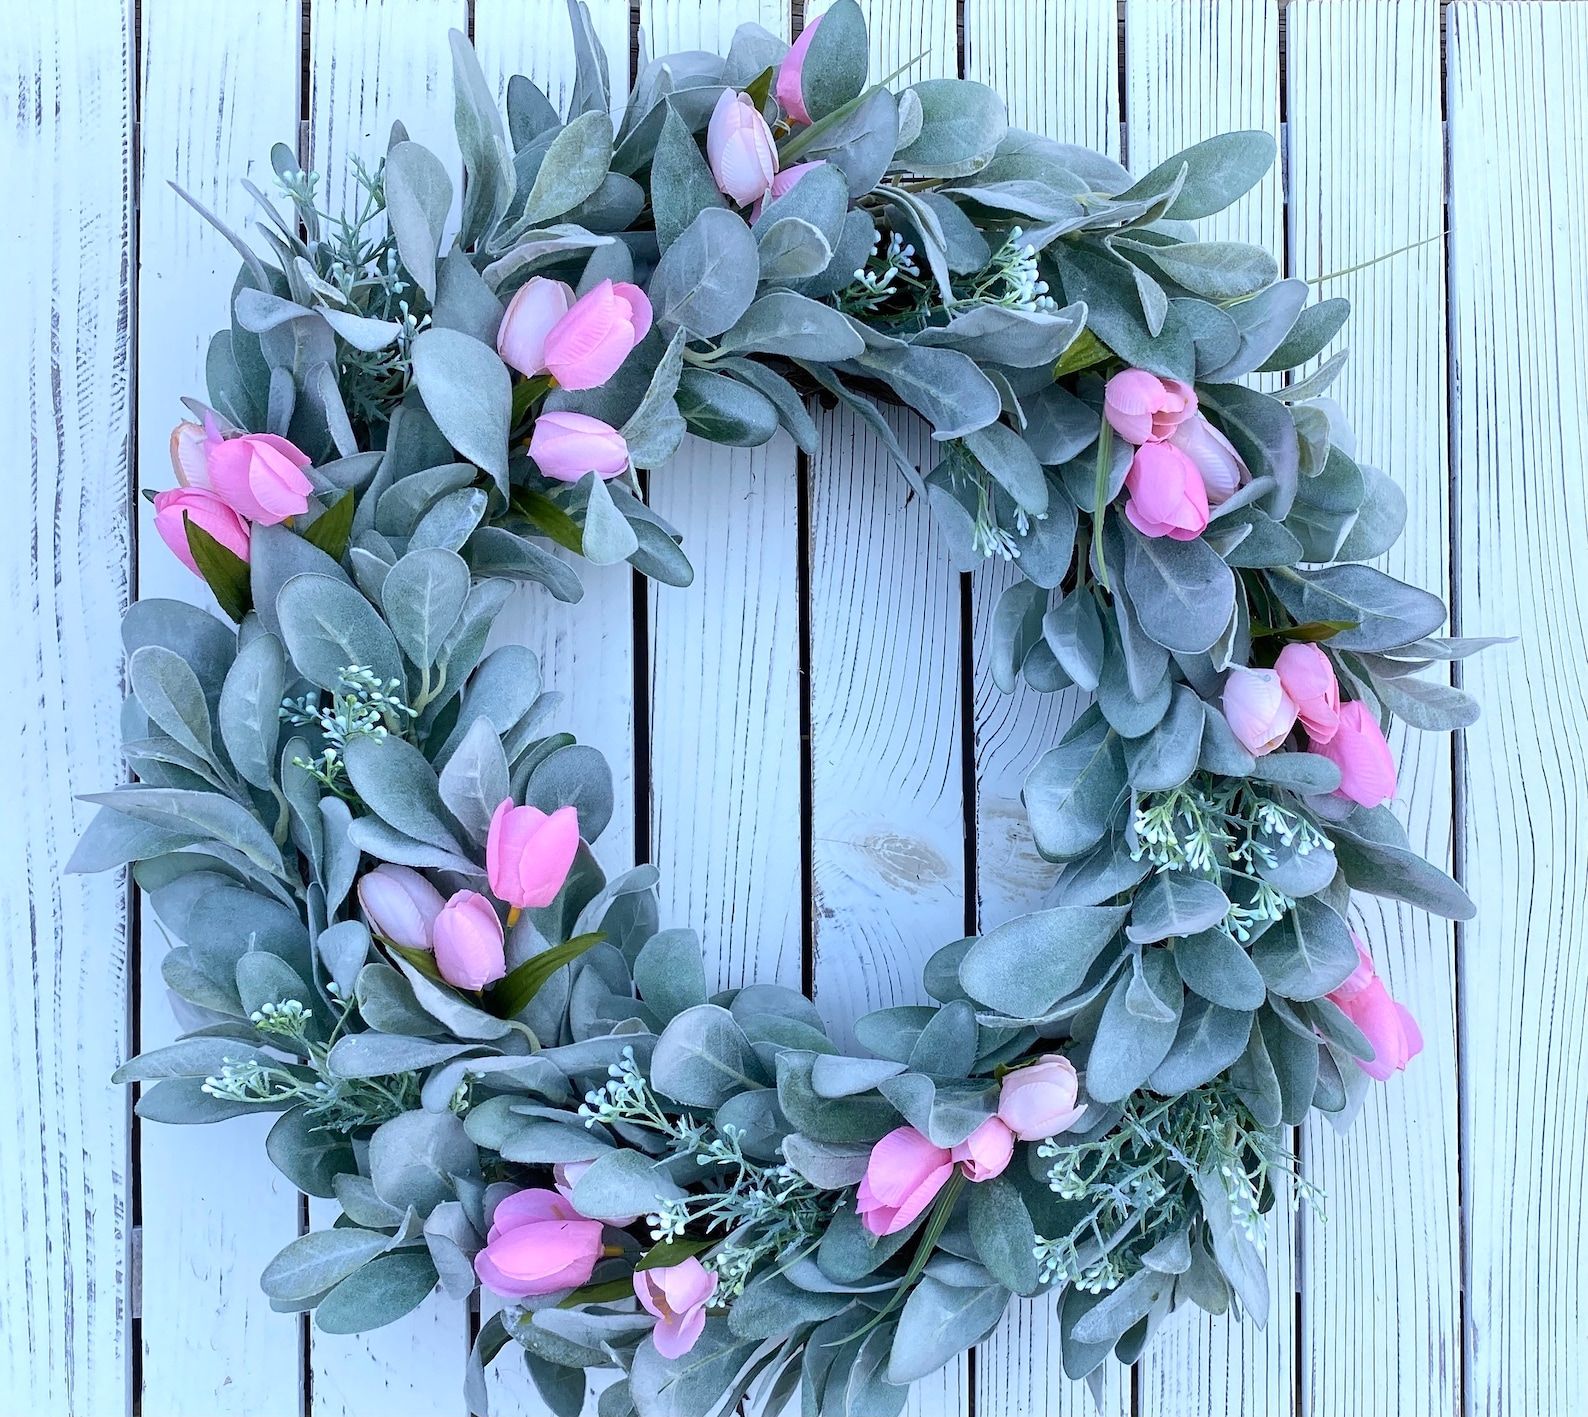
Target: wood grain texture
(65, 434)
(724, 749)
(218, 88)
(1518, 258)
(1366, 177)
(373, 61)
(1057, 70)
(586, 650)
(1194, 68)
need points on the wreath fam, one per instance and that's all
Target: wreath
(372, 846)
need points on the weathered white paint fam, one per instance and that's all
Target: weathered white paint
(218, 88)
(1366, 174)
(373, 61)
(1379, 1314)
(1518, 285)
(65, 431)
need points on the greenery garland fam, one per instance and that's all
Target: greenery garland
(370, 842)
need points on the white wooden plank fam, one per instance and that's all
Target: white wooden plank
(724, 681)
(65, 430)
(1194, 68)
(1366, 177)
(373, 61)
(1058, 73)
(586, 650)
(218, 88)
(1519, 282)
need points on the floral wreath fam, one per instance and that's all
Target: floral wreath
(371, 846)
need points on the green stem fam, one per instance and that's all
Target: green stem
(1105, 449)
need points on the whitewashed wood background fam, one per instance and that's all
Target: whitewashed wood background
(827, 659)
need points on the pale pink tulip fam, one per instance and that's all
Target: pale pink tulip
(1358, 749)
(903, 1177)
(791, 73)
(1308, 677)
(1387, 1025)
(1146, 408)
(468, 942)
(1040, 1101)
(587, 345)
(1167, 497)
(538, 1245)
(534, 310)
(986, 1151)
(677, 1294)
(1215, 458)
(528, 853)
(177, 506)
(1257, 708)
(261, 477)
(190, 445)
(566, 445)
(399, 905)
(740, 148)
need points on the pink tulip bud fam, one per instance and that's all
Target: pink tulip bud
(534, 310)
(190, 445)
(677, 1294)
(261, 477)
(1309, 679)
(1358, 749)
(565, 446)
(740, 149)
(1040, 1101)
(468, 942)
(565, 1176)
(399, 905)
(177, 506)
(1146, 408)
(1257, 708)
(538, 1245)
(1387, 1025)
(528, 854)
(986, 1151)
(903, 1177)
(1214, 456)
(790, 89)
(585, 348)
(786, 181)
(1167, 497)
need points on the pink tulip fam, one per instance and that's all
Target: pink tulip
(1388, 1026)
(261, 477)
(1145, 407)
(986, 1151)
(528, 854)
(786, 181)
(399, 905)
(740, 148)
(903, 1177)
(790, 89)
(1257, 708)
(190, 445)
(565, 446)
(1358, 749)
(585, 347)
(177, 506)
(677, 1294)
(1167, 497)
(1039, 1102)
(565, 1176)
(468, 942)
(538, 1245)
(534, 310)
(1214, 455)
(1308, 678)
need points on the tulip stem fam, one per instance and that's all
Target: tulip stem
(513, 912)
